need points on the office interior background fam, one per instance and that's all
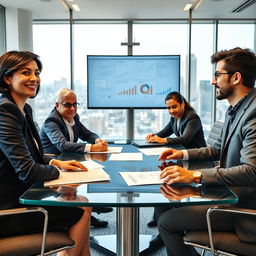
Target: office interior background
(63, 38)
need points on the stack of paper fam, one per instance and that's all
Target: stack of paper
(69, 177)
(141, 178)
(90, 164)
(110, 150)
(94, 173)
(126, 157)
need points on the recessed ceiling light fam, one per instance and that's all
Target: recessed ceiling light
(198, 4)
(75, 7)
(187, 7)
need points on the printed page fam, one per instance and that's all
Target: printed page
(126, 157)
(70, 177)
(90, 164)
(152, 151)
(141, 178)
(110, 150)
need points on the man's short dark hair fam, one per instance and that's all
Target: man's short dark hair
(238, 60)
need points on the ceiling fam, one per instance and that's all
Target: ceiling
(134, 9)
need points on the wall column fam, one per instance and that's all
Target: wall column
(19, 34)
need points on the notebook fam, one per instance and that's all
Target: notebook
(144, 143)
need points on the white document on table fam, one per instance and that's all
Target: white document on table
(111, 150)
(152, 151)
(90, 164)
(141, 178)
(76, 177)
(126, 157)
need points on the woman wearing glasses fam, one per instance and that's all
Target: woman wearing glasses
(184, 123)
(62, 128)
(22, 161)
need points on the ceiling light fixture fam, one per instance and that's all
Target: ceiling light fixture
(244, 5)
(187, 7)
(198, 4)
(75, 7)
(64, 4)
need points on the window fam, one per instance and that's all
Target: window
(201, 90)
(51, 43)
(2, 30)
(244, 38)
(157, 39)
(98, 39)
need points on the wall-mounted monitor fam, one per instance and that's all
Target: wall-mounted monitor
(131, 81)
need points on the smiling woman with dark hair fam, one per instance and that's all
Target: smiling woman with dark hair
(22, 161)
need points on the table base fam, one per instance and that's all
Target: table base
(106, 244)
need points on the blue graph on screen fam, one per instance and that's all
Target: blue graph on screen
(131, 81)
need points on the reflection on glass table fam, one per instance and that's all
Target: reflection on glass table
(127, 199)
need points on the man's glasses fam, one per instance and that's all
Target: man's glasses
(69, 105)
(217, 74)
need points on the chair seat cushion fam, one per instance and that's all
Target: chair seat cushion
(25, 245)
(225, 241)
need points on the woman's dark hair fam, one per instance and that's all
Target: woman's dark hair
(178, 97)
(238, 60)
(12, 61)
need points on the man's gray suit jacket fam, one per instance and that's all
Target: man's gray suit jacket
(235, 148)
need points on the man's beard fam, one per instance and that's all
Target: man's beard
(220, 94)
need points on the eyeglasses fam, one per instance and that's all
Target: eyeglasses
(69, 105)
(217, 74)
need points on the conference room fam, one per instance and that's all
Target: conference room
(80, 41)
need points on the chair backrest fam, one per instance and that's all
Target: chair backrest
(215, 133)
(44, 243)
(221, 242)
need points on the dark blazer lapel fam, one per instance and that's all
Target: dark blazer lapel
(234, 125)
(65, 131)
(180, 128)
(34, 132)
(76, 132)
(224, 133)
(31, 129)
(239, 115)
(175, 128)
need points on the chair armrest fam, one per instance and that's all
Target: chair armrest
(22, 210)
(232, 210)
(224, 209)
(30, 210)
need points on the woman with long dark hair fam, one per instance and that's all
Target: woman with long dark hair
(22, 161)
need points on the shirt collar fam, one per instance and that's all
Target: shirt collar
(71, 123)
(233, 110)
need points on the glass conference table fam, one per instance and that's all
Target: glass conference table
(127, 200)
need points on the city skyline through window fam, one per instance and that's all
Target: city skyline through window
(154, 39)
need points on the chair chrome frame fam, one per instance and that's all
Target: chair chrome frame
(223, 209)
(45, 213)
(211, 233)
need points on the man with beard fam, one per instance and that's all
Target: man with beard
(234, 80)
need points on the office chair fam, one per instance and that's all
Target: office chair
(224, 243)
(215, 132)
(44, 243)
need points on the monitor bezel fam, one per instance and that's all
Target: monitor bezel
(146, 107)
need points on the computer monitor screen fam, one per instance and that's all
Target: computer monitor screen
(131, 81)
